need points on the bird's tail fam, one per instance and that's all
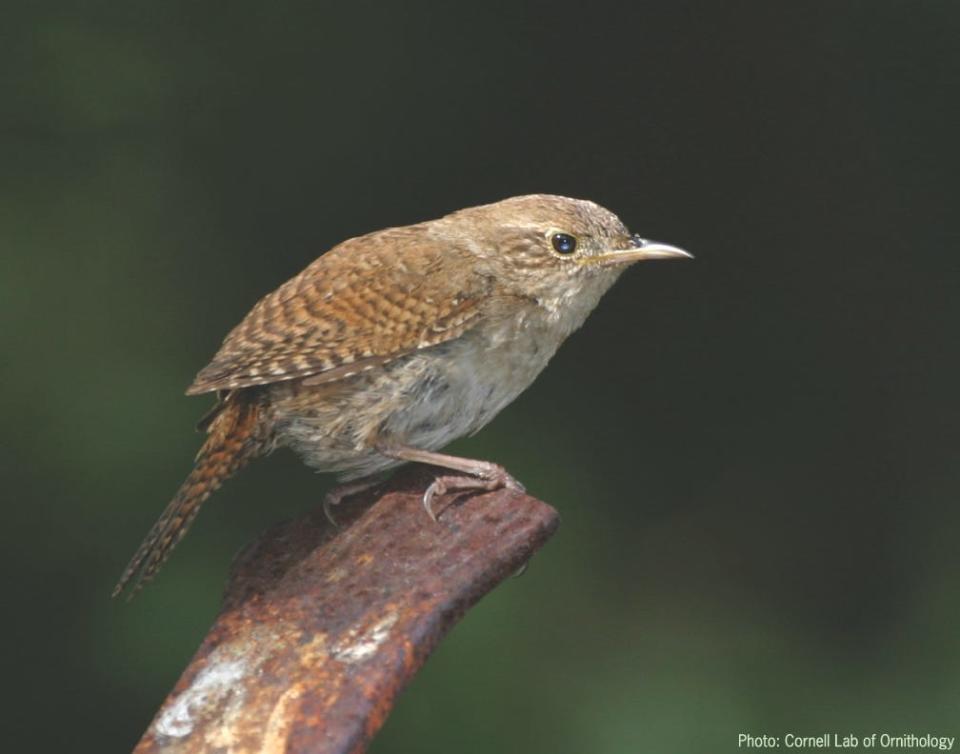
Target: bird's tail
(235, 436)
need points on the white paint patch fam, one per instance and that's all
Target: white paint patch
(209, 689)
(357, 648)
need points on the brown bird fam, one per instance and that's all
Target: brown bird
(392, 345)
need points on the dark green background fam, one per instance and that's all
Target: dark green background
(755, 454)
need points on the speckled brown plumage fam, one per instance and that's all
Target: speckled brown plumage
(393, 344)
(360, 305)
(237, 433)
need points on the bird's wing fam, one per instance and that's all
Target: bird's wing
(363, 303)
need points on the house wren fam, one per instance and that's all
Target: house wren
(393, 344)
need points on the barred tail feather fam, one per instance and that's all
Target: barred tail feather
(235, 438)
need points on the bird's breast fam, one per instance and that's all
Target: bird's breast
(467, 382)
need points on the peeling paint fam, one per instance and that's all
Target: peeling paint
(212, 686)
(353, 648)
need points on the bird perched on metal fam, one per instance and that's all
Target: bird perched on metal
(393, 344)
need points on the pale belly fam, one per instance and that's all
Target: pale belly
(425, 400)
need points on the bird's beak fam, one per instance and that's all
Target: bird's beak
(639, 251)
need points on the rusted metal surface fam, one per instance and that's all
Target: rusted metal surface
(321, 627)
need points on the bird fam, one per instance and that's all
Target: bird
(393, 344)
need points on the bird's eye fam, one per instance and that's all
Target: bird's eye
(563, 243)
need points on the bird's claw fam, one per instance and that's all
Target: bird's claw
(339, 493)
(488, 478)
(328, 511)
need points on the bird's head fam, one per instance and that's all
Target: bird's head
(564, 252)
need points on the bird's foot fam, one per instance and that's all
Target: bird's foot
(474, 474)
(483, 477)
(341, 492)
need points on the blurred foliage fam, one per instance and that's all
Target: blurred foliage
(755, 454)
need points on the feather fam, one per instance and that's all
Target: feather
(364, 303)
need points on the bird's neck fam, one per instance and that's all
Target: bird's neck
(567, 309)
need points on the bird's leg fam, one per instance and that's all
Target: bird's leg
(342, 491)
(475, 475)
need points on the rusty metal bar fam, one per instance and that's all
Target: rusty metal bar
(321, 628)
